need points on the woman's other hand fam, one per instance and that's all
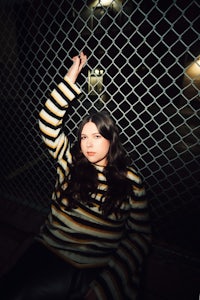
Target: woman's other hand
(90, 295)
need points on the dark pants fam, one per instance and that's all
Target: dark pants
(41, 275)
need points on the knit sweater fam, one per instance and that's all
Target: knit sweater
(83, 236)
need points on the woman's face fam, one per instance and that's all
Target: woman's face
(93, 145)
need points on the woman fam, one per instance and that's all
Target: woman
(97, 234)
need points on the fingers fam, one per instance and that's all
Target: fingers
(78, 63)
(83, 60)
(75, 58)
(80, 59)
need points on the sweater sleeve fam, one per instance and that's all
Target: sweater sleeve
(51, 117)
(120, 279)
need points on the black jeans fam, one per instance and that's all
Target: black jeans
(41, 275)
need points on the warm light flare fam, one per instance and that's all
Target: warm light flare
(194, 69)
(104, 3)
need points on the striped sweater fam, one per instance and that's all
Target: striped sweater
(83, 236)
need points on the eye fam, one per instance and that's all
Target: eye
(83, 137)
(97, 136)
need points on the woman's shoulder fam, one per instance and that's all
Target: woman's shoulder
(133, 174)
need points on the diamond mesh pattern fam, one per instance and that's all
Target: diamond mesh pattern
(142, 56)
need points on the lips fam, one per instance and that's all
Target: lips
(90, 153)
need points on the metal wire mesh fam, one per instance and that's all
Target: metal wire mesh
(143, 68)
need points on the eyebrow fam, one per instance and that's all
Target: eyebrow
(92, 133)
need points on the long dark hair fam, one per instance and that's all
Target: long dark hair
(82, 180)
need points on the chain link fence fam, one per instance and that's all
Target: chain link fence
(143, 67)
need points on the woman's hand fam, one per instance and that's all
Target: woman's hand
(90, 295)
(78, 63)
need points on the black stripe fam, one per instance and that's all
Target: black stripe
(49, 138)
(124, 262)
(51, 98)
(107, 228)
(85, 208)
(61, 169)
(50, 125)
(131, 254)
(63, 96)
(61, 148)
(105, 287)
(118, 282)
(70, 88)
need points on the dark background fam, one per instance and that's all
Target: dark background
(146, 50)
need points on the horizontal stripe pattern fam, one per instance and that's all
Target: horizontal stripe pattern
(83, 236)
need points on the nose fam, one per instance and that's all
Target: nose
(89, 143)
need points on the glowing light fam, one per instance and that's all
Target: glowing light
(191, 81)
(97, 3)
(98, 72)
(106, 2)
(194, 69)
